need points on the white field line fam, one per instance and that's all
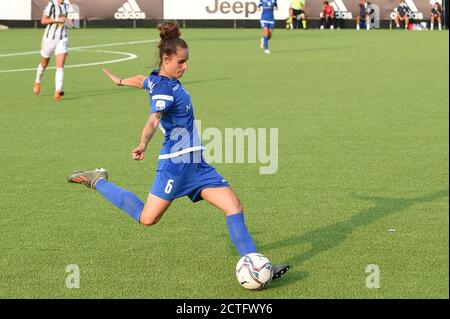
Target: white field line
(129, 56)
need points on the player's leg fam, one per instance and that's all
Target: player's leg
(303, 20)
(439, 23)
(291, 18)
(40, 73)
(265, 38)
(367, 22)
(226, 200)
(123, 199)
(48, 46)
(358, 21)
(59, 75)
(295, 18)
(432, 22)
(406, 22)
(261, 43)
(328, 22)
(61, 52)
(153, 210)
(322, 23)
(397, 21)
(332, 22)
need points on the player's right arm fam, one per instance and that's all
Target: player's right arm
(47, 20)
(147, 134)
(161, 100)
(134, 81)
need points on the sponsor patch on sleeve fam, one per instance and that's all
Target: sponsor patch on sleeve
(160, 105)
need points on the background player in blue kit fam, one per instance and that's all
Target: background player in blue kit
(181, 169)
(267, 21)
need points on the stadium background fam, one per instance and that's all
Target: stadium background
(203, 13)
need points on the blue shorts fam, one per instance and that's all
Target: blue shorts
(267, 24)
(175, 180)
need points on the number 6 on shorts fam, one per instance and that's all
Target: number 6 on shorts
(168, 186)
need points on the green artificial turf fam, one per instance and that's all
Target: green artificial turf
(362, 122)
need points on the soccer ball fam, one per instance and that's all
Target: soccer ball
(254, 271)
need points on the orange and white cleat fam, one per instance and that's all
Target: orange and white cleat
(37, 88)
(59, 95)
(88, 178)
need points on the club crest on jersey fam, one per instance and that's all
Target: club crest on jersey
(150, 86)
(160, 105)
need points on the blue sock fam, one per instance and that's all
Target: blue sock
(239, 234)
(121, 198)
(266, 43)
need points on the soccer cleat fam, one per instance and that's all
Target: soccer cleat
(59, 95)
(37, 88)
(279, 270)
(88, 178)
(267, 51)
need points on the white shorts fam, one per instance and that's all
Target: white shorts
(48, 46)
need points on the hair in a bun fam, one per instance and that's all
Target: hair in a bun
(169, 32)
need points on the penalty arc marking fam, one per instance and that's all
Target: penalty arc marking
(128, 55)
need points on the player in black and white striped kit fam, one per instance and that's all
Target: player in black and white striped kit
(54, 40)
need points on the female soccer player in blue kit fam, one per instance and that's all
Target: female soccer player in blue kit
(267, 21)
(181, 169)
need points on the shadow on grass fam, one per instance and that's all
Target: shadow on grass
(331, 236)
(204, 81)
(76, 95)
(312, 49)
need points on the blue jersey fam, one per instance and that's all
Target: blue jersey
(177, 121)
(182, 170)
(267, 9)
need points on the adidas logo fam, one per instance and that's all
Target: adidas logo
(341, 10)
(129, 10)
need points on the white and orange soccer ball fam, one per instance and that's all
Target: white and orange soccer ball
(254, 271)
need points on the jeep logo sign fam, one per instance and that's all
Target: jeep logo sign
(237, 7)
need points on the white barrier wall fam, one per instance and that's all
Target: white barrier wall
(15, 9)
(219, 9)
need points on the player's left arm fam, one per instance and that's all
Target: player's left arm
(136, 81)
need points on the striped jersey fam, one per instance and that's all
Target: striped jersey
(267, 9)
(55, 10)
(177, 122)
(403, 9)
(436, 11)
